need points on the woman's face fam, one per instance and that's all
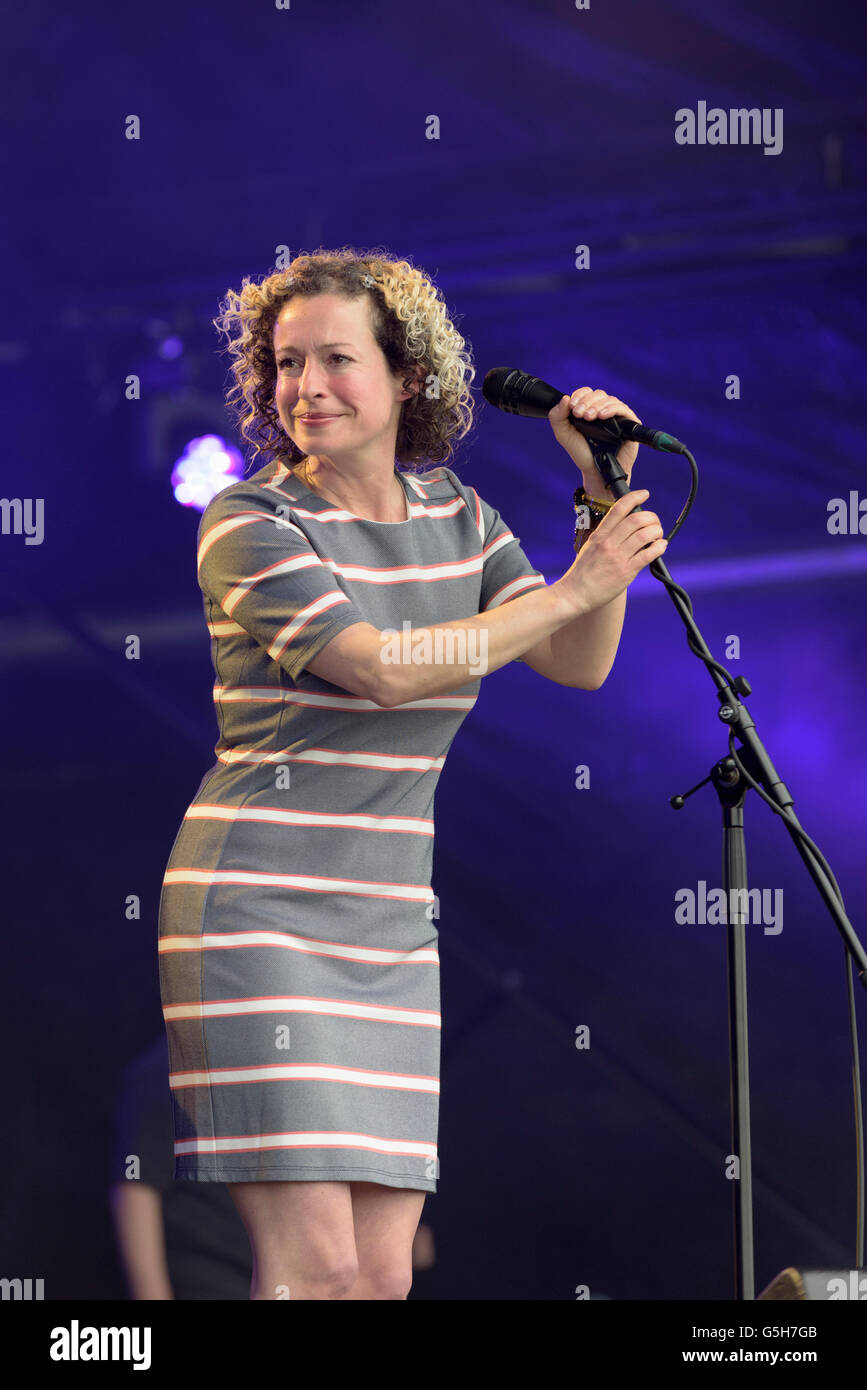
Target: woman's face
(330, 364)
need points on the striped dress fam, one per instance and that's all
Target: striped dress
(298, 961)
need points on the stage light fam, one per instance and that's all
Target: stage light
(207, 465)
(170, 348)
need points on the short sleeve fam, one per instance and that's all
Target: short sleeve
(507, 573)
(261, 571)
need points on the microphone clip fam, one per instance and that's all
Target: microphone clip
(606, 462)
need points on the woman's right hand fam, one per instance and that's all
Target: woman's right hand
(613, 554)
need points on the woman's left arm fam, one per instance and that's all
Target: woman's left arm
(582, 653)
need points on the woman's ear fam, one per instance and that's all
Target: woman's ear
(413, 382)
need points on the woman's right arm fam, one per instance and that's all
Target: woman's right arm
(356, 659)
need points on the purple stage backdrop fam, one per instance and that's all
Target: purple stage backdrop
(550, 167)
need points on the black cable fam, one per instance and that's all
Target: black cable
(783, 812)
(690, 499)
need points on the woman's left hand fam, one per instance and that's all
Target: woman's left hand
(587, 404)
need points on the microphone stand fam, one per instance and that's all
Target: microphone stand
(732, 787)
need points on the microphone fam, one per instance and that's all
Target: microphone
(520, 394)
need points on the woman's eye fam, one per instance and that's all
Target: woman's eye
(284, 360)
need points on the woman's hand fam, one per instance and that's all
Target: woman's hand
(587, 404)
(613, 554)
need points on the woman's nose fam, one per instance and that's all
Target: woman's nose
(311, 379)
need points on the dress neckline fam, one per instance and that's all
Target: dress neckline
(308, 491)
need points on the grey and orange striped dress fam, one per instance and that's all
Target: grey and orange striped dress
(298, 958)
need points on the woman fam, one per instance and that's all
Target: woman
(298, 963)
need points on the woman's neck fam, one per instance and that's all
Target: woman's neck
(372, 504)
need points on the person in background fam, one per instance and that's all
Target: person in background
(177, 1240)
(180, 1240)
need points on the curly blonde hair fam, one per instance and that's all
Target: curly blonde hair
(409, 322)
